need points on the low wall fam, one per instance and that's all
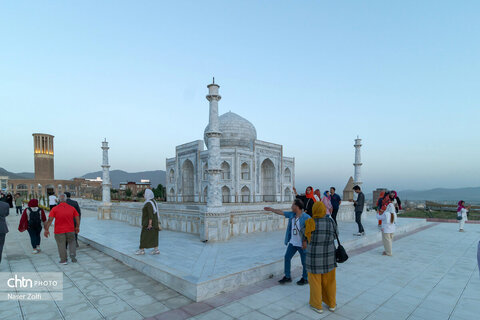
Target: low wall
(235, 219)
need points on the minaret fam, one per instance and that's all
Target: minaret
(106, 175)
(214, 196)
(358, 162)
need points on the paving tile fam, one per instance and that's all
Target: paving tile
(196, 308)
(235, 309)
(274, 311)
(176, 302)
(214, 315)
(128, 315)
(254, 315)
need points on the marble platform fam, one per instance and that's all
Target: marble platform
(200, 270)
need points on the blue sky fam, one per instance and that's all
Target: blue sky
(310, 75)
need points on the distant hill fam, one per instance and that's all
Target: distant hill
(443, 194)
(20, 175)
(117, 176)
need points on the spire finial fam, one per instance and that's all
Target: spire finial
(213, 80)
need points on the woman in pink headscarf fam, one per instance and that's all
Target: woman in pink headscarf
(326, 201)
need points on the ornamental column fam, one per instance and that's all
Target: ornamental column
(106, 185)
(357, 180)
(215, 223)
(214, 195)
(104, 211)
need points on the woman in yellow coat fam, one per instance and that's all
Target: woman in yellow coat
(320, 260)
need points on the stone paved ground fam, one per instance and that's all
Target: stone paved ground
(432, 275)
(97, 287)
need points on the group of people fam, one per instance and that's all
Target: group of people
(66, 214)
(312, 230)
(11, 200)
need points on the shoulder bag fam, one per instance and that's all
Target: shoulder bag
(340, 254)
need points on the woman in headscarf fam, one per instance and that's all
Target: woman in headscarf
(149, 234)
(319, 239)
(328, 204)
(388, 218)
(308, 199)
(462, 213)
(31, 220)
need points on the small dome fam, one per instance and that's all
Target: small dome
(236, 131)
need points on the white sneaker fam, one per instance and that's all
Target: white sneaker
(332, 309)
(316, 310)
(140, 252)
(359, 234)
(35, 251)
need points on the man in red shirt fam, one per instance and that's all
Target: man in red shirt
(64, 229)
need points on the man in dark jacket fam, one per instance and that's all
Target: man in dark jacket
(74, 204)
(359, 205)
(4, 212)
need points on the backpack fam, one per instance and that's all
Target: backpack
(34, 220)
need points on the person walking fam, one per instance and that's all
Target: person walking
(462, 214)
(10, 200)
(18, 203)
(150, 228)
(31, 220)
(74, 204)
(389, 219)
(293, 239)
(52, 200)
(319, 241)
(308, 199)
(64, 229)
(4, 212)
(359, 205)
(335, 200)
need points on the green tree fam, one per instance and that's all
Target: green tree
(128, 192)
(159, 192)
(140, 194)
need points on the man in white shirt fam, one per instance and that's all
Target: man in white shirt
(52, 201)
(293, 238)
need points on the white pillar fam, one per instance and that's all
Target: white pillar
(358, 162)
(106, 175)
(214, 196)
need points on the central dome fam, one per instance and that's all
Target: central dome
(236, 131)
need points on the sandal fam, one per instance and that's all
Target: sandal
(140, 252)
(155, 251)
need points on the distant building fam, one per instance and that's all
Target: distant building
(135, 187)
(3, 183)
(44, 181)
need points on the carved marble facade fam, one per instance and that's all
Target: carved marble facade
(251, 170)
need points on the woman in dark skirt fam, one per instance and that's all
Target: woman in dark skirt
(149, 234)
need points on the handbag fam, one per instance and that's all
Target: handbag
(340, 253)
(459, 217)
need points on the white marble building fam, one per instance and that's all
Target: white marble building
(251, 170)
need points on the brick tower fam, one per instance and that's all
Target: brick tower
(43, 156)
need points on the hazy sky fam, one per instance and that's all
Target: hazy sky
(310, 75)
